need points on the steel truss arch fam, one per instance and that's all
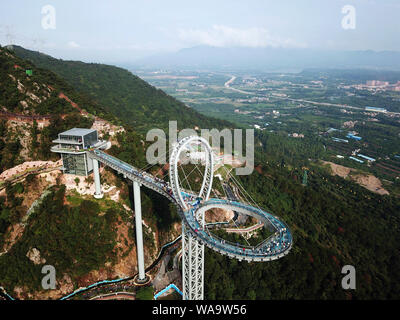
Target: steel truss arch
(208, 173)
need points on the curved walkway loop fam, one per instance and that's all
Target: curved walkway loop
(275, 247)
(192, 210)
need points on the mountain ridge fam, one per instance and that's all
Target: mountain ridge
(271, 59)
(131, 99)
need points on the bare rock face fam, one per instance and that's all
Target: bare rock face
(349, 124)
(66, 285)
(34, 255)
(218, 215)
(371, 183)
(368, 181)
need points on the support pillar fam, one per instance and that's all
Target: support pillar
(192, 266)
(97, 194)
(139, 233)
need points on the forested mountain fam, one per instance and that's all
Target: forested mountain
(334, 221)
(40, 219)
(123, 94)
(29, 100)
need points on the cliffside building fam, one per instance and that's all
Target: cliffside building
(72, 145)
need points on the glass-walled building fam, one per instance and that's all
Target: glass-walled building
(72, 146)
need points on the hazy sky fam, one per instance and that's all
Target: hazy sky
(124, 30)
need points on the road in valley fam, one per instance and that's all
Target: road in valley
(229, 82)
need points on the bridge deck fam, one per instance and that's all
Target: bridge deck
(275, 247)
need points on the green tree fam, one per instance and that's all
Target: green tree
(145, 293)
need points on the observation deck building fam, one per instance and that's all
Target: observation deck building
(72, 145)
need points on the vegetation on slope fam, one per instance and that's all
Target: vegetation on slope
(45, 84)
(34, 96)
(123, 94)
(334, 223)
(74, 239)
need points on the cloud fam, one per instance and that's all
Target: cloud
(73, 44)
(224, 36)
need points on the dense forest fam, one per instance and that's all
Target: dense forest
(74, 239)
(335, 223)
(31, 96)
(12, 67)
(123, 94)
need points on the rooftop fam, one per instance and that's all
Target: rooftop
(77, 132)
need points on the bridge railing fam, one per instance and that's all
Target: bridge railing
(151, 182)
(133, 173)
(233, 244)
(223, 244)
(270, 218)
(258, 211)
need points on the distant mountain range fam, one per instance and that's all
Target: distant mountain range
(270, 59)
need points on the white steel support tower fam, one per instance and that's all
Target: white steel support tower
(98, 194)
(139, 233)
(138, 218)
(192, 248)
(192, 267)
